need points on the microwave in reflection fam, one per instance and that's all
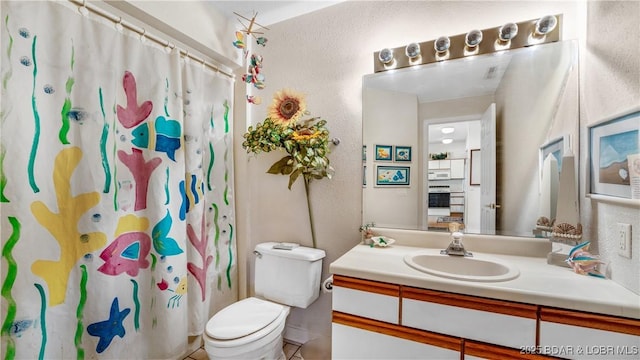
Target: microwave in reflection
(439, 175)
(439, 200)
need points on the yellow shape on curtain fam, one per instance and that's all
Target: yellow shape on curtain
(64, 226)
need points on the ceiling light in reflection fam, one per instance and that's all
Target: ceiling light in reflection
(447, 141)
(447, 130)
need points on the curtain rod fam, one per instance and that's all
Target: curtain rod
(82, 4)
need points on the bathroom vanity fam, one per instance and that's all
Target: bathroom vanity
(383, 308)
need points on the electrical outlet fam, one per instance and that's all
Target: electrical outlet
(624, 240)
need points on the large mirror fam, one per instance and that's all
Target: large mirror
(478, 140)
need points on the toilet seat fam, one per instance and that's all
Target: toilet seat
(245, 321)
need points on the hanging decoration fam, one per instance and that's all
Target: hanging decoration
(254, 75)
(254, 69)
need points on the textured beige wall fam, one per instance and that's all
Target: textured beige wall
(325, 54)
(610, 85)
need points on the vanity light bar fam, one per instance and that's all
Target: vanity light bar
(528, 33)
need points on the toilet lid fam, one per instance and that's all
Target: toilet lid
(242, 318)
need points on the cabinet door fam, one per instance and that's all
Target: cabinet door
(445, 164)
(492, 321)
(357, 338)
(584, 335)
(369, 299)
(457, 169)
(434, 164)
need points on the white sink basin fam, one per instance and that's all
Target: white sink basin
(479, 267)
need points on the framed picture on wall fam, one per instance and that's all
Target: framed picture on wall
(403, 153)
(392, 175)
(614, 156)
(384, 152)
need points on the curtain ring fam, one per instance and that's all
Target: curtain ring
(119, 25)
(83, 9)
(142, 36)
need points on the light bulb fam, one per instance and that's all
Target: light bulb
(442, 44)
(385, 56)
(473, 38)
(546, 24)
(508, 31)
(412, 50)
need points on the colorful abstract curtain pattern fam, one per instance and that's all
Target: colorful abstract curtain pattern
(116, 196)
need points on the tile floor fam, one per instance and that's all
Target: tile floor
(291, 352)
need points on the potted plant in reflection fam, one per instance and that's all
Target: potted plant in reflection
(306, 142)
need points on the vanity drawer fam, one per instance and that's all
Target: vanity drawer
(585, 335)
(354, 337)
(492, 321)
(369, 299)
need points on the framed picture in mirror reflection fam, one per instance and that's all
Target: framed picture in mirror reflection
(392, 176)
(384, 153)
(614, 156)
(403, 153)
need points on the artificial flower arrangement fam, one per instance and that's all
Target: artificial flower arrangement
(306, 142)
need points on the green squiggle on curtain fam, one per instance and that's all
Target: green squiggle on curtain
(7, 285)
(211, 161)
(7, 75)
(217, 237)
(3, 179)
(166, 97)
(115, 168)
(167, 195)
(226, 117)
(43, 319)
(154, 260)
(36, 119)
(66, 107)
(230, 255)
(80, 313)
(5, 79)
(136, 301)
(226, 172)
(103, 147)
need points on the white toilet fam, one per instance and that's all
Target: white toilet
(253, 328)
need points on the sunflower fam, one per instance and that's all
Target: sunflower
(287, 107)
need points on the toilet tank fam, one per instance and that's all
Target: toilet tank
(288, 277)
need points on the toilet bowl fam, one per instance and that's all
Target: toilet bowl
(249, 329)
(253, 328)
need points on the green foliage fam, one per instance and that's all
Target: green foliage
(306, 143)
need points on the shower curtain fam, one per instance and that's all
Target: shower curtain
(116, 190)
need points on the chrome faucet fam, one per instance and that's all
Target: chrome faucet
(455, 248)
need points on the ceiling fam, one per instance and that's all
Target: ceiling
(270, 12)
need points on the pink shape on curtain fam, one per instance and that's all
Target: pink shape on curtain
(133, 114)
(141, 171)
(201, 246)
(123, 255)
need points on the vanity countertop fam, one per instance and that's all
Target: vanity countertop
(539, 283)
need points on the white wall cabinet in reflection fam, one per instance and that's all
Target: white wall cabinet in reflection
(457, 169)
